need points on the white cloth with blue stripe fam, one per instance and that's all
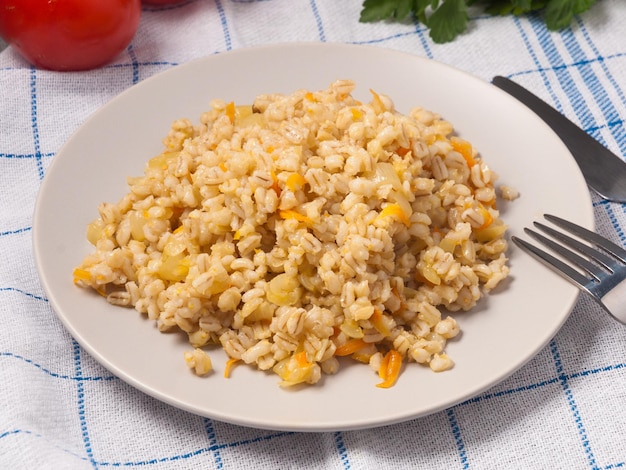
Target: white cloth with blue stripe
(565, 409)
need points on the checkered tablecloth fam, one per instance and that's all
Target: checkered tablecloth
(59, 409)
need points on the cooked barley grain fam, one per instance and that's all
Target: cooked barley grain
(303, 225)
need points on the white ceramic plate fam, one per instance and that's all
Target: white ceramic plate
(499, 336)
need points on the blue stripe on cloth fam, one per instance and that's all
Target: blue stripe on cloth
(536, 61)
(592, 83)
(542, 70)
(19, 156)
(224, 23)
(116, 66)
(564, 380)
(27, 294)
(543, 383)
(15, 289)
(590, 79)
(616, 225)
(421, 34)
(17, 432)
(318, 20)
(194, 453)
(217, 447)
(34, 120)
(608, 208)
(615, 124)
(133, 61)
(343, 451)
(562, 73)
(15, 231)
(600, 95)
(56, 375)
(609, 126)
(592, 129)
(210, 430)
(602, 60)
(511, 391)
(597, 370)
(389, 38)
(458, 438)
(156, 460)
(80, 389)
(610, 212)
(419, 31)
(142, 64)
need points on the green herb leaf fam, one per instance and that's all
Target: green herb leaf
(559, 13)
(376, 10)
(448, 21)
(499, 7)
(421, 6)
(521, 5)
(512, 7)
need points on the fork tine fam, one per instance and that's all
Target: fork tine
(590, 236)
(553, 263)
(605, 260)
(569, 255)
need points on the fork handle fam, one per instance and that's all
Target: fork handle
(615, 302)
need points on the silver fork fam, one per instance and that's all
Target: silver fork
(604, 270)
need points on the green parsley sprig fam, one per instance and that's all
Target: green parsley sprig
(446, 19)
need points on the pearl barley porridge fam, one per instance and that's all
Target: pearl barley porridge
(303, 228)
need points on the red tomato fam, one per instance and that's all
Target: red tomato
(69, 34)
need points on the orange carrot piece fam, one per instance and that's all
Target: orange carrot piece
(295, 181)
(357, 114)
(81, 275)
(232, 362)
(394, 210)
(378, 322)
(488, 218)
(465, 149)
(291, 214)
(349, 347)
(230, 111)
(402, 151)
(275, 186)
(301, 359)
(390, 369)
(382, 370)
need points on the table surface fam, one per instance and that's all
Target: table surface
(564, 409)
